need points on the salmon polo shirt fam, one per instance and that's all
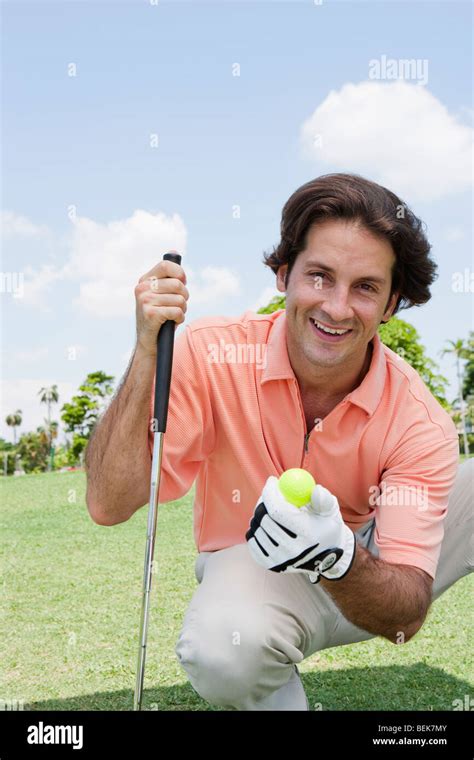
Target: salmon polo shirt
(387, 451)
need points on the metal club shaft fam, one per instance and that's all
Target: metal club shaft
(164, 361)
(148, 568)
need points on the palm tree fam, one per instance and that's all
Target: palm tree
(14, 420)
(54, 434)
(49, 396)
(460, 351)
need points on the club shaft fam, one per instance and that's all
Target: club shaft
(148, 568)
(164, 362)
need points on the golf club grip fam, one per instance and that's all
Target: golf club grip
(164, 362)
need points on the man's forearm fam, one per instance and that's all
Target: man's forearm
(385, 599)
(117, 460)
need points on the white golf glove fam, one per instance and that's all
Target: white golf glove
(312, 539)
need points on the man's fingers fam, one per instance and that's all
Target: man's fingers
(278, 533)
(165, 268)
(165, 285)
(264, 541)
(160, 295)
(257, 553)
(278, 508)
(323, 502)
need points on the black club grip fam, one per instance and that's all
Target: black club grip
(164, 363)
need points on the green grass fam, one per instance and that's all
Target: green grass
(71, 607)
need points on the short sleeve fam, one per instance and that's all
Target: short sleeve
(412, 500)
(189, 437)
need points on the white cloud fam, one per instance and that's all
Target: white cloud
(15, 225)
(397, 133)
(37, 284)
(211, 284)
(107, 260)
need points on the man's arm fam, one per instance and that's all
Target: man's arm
(385, 599)
(117, 459)
(381, 595)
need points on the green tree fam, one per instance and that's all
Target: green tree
(33, 450)
(49, 396)
(7, 457)
(61, 457)
(81, 414)
(277, 302)
(468, 384)
(402, 338)
(460, 351)
(14, 421)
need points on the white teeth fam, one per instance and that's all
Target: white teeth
(329, 330)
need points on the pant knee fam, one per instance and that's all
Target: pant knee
(218, 681)
(224, 664)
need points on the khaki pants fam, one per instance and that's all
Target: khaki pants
(246, 628)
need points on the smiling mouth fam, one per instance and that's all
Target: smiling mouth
(329, 330)
(329, 333)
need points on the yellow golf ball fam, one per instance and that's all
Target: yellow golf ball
(296, 486)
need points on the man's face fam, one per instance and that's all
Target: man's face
(342, 281)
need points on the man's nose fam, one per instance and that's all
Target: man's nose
(337, 306)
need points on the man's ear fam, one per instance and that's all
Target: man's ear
(390, 307)
(281, 274)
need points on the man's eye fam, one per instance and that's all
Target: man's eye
(364, 285)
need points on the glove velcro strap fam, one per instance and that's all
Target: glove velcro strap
(294, 562)
(324, 561)
(339, 569)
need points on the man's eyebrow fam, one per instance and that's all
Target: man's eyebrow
(313, 264)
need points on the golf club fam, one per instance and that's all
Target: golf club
(164, 361)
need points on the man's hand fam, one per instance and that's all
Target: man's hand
(161, 294)
(312, 539)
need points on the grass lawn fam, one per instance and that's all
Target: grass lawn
(72, 598)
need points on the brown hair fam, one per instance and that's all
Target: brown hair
(349, 196)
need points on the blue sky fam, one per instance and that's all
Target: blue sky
(130, 128)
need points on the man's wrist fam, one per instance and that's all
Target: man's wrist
(343, 566)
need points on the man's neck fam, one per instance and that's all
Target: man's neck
(332, 382)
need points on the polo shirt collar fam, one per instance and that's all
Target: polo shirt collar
(278, 367)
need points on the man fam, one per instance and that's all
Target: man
(311, 386)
